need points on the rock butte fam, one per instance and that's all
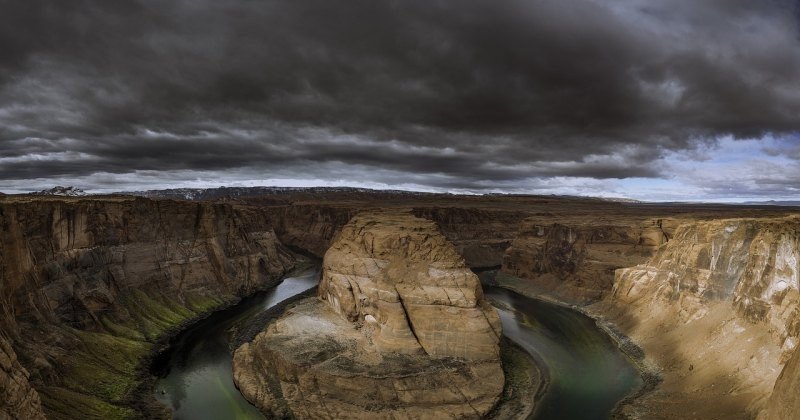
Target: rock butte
(400, 329)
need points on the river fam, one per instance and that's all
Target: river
(195, 376)
(587, 372)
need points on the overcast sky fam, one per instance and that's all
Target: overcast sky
(654, 100)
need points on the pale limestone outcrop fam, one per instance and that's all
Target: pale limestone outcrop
(400, 330)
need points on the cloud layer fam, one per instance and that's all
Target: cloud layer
(449, 94)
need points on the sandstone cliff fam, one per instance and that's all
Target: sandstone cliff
(575, 260)
(81, 275)
(591, 237)
(17, 398)
(401, 328)
(401, 278)
(716, 308)
(479, 235)
(311, 227)
(88, 287)
(784, 403)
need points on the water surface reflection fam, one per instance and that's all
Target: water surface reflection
(196, 380)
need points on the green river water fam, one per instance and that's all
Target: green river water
(588, 374)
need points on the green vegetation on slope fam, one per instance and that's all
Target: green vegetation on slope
(103, 372)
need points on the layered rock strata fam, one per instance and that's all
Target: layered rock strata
(609, 234)
(17, 398)
(89, 285)
(784, 403)
(479, 235)
(717, 309)
(577, 261)
(400, 329)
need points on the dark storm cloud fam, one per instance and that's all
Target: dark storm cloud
(475, 91)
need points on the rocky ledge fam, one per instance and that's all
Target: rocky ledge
(400, 328)
(17, 398)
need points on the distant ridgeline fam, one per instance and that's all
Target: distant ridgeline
(234, 192)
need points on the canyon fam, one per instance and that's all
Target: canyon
(400, 329)
(92, 287)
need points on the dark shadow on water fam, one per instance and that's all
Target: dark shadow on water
(195, 375)
(588, 373)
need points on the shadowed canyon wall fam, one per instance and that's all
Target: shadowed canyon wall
(17, 398)
(576, 259)
(481, 236)
(90, 286)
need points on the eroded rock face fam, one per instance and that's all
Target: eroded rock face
(724, 291)
(70, 261)
(404, 281)
(577, 261)
(479, 235)
(310, 227)
(17, 399)
(400, 328)
(82, 275)
(784, 403)
(752, 264)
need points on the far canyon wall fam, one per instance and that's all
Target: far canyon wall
(481, 236)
